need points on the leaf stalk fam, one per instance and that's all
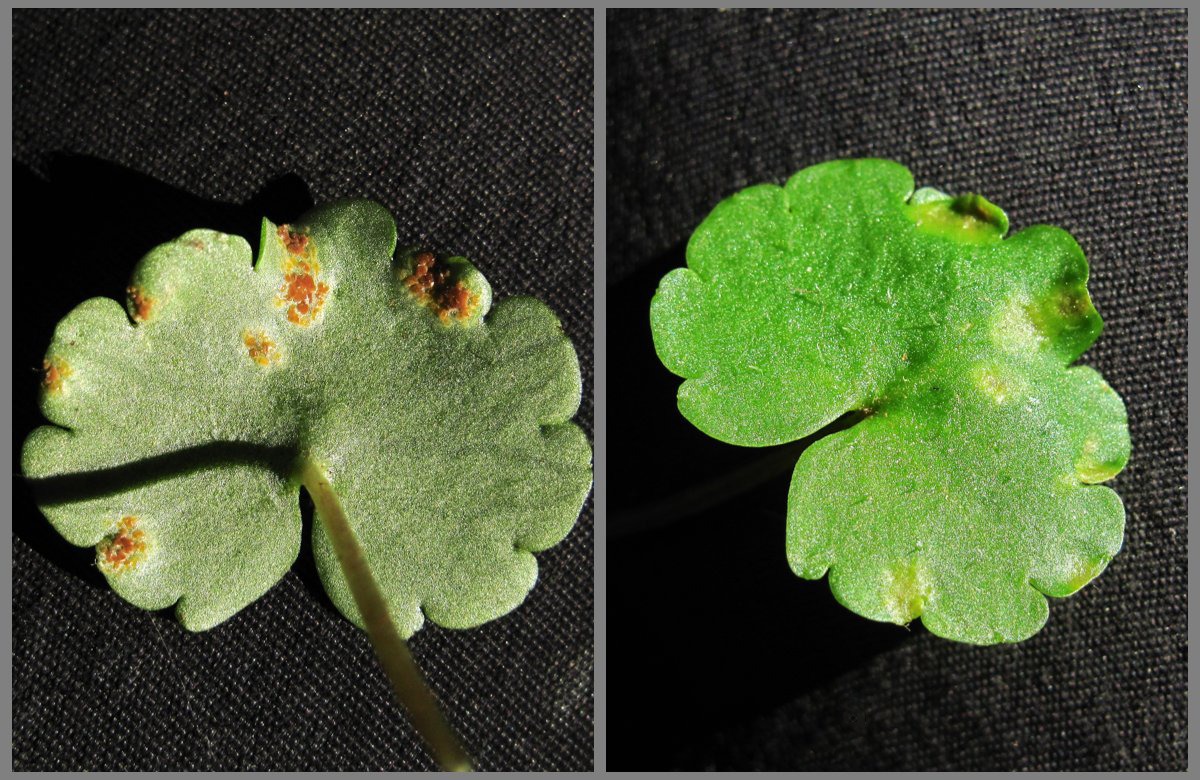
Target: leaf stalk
(391, 649)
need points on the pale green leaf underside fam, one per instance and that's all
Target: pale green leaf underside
(968, 491)
(448, 440)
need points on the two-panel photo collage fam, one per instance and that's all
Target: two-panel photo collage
(599, 390)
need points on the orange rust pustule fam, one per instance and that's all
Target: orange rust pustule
(432, 285)
(303, 291)
(54, 371)
(260, 348)
(141, 304)
(124, 549)
(295, 242)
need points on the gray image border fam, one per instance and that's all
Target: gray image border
(599, 389)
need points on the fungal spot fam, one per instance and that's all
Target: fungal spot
(260, 347)
(140, 304)
(994, 385)
(54, 371)
(906, 591)
(124, 549)
(433, 285)
(975, 208)
(1067, 311)
(1014, 329)
(294, 241)
(968, 219)
(1090, 467)
(1071, 303)
(303, 291)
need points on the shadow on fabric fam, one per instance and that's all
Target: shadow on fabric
(708, 625)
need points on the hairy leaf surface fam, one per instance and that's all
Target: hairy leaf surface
(443, 423)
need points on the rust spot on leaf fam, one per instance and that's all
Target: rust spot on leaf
(261, 348)
(433, 286)
(54, 371)
(303, 291)
(294, 241)
(140, 304)
(125, 548)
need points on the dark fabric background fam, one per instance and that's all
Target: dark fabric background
(476, 131)
(726, 660)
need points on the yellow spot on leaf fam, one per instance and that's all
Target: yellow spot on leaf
(260, 347)
(906, 592)
(1082, 572)
(1014, 329)
(996, 385)
(1072, 573)
(54, 371)
(124, 549)
(1065, 310)
(969, 219)
(1090, 467)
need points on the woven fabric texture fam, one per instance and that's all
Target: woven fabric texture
(475, 129)
(1073, 118)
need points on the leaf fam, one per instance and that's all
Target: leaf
(968, 488)
(181, 427)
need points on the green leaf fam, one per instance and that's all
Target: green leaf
(968, 490)
(182, 427)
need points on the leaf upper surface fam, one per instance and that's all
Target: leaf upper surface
(969, 489)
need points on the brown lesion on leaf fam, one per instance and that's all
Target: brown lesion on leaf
(141, 305)
(260, 347)
(295, 242)
(974, 207)
(54, 371)
(125, 548)
(433, 284)
(304, 291)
